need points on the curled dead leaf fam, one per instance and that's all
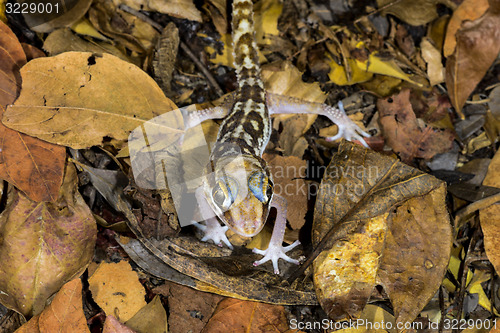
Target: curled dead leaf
(46, 245)
(234, 315)
(405, 134)
(478, 45)
(390, 234)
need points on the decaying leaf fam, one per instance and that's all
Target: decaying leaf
(213, 269)
(112, 325)
(233, 315)
(33, 166)
(125, 29)
(403, 132)
(218, 13)
(152, 318)
(64, 314)
(431, 55)
(288, 177)
(391, 235)
(64, 40)
(413, 12)
(468, 10)
(182, 302)
(165, 55)
(46, 245)
(117, 290)
(78, 98)
(184, 9)
(478, 45)
(490, 217)
(61, 14)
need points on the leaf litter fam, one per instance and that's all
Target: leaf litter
(421, 76)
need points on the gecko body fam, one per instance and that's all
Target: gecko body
(237, 185)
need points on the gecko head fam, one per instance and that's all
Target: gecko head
(240, 193)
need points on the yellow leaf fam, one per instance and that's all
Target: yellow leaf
(2, 11)
(377, 65)
(266, 19)
(84, 27)
(476, 288)
(338, 73)
(117, 290)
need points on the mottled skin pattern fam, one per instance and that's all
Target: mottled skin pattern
(237, 186)
(245, 131)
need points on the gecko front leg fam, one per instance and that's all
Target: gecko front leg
(279, 104)
(275, 249)
(212, 229)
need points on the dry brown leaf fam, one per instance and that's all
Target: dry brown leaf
(184, 9)
(33, 166)
(415, 251)
(117, 290)
(233, 315)
(152, 318)
(432, 56)
(490, 224)
(65, 14)
(490, 217)
(32, 52)
(46, 245)
(64, 314)
(218, 12)
(112, 325)
(405, 135)
(64, 40)
(288, 176)
(78, 98)
(182, 301)
(478, 45)
(412, 12)
(468, 10)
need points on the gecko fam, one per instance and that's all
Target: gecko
(237, 187)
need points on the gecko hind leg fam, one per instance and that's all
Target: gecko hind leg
(276, 250)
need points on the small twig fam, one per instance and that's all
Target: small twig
(463, 281)
(481, 101)
(480, 204)
(183, 46)
(443, 310)
(378, 10)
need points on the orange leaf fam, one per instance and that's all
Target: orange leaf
(64, 314)
(34, 166)
(478, 45)
(233, 315)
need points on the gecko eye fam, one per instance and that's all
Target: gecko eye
(259, 184)
(224, 193)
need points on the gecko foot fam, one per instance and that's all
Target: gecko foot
(348, 129)
(214, 232)
(274, 253)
